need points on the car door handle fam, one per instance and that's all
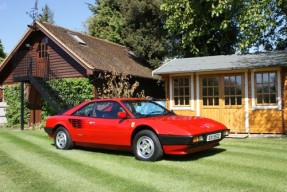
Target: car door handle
(92, 123)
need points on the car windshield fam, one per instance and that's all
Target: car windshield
(146, 108)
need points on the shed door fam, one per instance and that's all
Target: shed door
(222, 100)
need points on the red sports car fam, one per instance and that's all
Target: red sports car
(138, 125)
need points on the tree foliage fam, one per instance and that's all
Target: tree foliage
(108, 21)
(2, 53)
(261, 23)
(136, 24)
(239, 24)
(47, 14)
(195, 31)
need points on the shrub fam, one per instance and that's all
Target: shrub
(119, 86)
(13, 99)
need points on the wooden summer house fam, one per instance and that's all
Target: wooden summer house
(48, 52)
(248, 93)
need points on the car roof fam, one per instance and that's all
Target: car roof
(119, 99)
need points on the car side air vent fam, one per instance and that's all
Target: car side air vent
(76, 123)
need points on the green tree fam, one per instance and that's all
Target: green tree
(261, 23)
(107, 22)
(47, 14)
(196, 31)
(136, 24)
(2, 53)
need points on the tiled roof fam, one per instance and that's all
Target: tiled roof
(96, 54)
(223, 62)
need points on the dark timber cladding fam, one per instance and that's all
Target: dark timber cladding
(48, 52)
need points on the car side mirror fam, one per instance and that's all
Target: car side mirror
(122, 115)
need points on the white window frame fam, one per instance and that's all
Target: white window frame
(279, 99)
(191, 86)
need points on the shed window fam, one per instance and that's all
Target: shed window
(266, 92)
(210, 91)
(233, 90)
(181, 90)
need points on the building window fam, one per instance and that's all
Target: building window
(233, 90)
(210, 91)
(181, 90)
(265, 87)
(42, 48)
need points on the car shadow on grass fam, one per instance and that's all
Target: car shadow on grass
(189, 157)
(195, 156)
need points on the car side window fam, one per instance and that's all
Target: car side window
(108, 109)
(87, 110)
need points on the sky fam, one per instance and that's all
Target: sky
(70, 14)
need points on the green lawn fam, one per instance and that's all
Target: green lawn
(29, 162)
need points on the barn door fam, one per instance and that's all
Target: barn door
(222, 100)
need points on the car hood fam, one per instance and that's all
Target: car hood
(187, 124)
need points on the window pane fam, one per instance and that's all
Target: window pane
(272, 88)
(259, 99)
(216, 91)
(266, 92)
(258, 78)
(181, 101)
(186, 100)
(175, 91)
(232, 100)
(232, 89)
(210, 101)
(238, 90)
(227, 101)
(239, 100)
(176, 101)
(216, 101)
(273, 98)
(266, 98)
(204, 91)
(265, 77)
(181, 90)
(226, 81)
(238, 80)
(204, 101)
(259, 88)
(210, 89)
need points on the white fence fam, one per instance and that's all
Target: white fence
(3, 119)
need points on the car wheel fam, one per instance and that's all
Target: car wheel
(62, 139)
(146, 146)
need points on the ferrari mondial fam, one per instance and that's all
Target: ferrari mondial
(139, 125)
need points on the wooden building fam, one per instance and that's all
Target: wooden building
(248, 93)
(48, 51)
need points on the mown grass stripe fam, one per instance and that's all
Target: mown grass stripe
(20, 175)
(148, 180)
(235, 166)
(61, 175)
(59, 158)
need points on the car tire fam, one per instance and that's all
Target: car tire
(62, 139)
(146, 146)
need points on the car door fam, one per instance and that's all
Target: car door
(107, 128)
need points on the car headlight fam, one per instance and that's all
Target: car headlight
(198, 139)
(226, 133)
